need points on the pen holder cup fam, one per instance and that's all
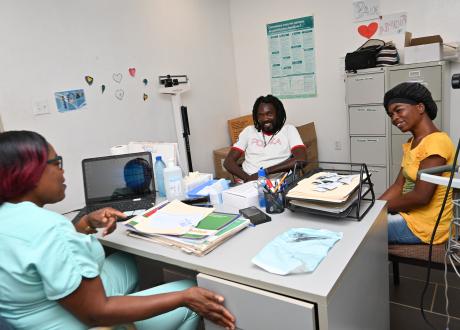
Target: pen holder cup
(274, 202)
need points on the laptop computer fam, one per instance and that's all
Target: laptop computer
(124, 182)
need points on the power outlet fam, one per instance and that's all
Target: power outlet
(41, 108)
(338, 145)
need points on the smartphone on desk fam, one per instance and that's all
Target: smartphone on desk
(255, 215)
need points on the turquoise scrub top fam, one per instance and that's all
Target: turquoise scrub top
(43, 259)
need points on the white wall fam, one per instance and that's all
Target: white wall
(334, 36)
(50, 45)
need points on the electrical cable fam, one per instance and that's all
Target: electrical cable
(428, 273)
(446, 289)
(453, 257)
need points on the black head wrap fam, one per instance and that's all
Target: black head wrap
(411, 93)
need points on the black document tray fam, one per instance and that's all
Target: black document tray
(365, 198)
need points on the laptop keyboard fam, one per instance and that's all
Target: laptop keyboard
(124, 205)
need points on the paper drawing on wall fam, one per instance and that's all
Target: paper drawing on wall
(145, 81)
(117, 77)
(132, 72)
(89, 80)
(145, 97)
(366, 10)
(102, 89)
(393, 24)
(119, 93)
(367, 31)
(70, 100)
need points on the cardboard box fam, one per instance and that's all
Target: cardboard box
(422, 53)
(307, 134)
(424, 49)
(219, 157)
(436, 39)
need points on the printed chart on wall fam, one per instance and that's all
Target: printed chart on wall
(292, 58)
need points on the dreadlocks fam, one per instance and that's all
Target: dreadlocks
(280, 112)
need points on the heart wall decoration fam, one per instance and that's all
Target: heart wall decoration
(367, 31)
(89, 80)
(119, 93)
(132, 72)
(117, 77)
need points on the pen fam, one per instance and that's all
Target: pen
(281, 182)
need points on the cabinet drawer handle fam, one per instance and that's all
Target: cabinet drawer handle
(415, 73)
(367, 140)
(371, 109)
(364, 78)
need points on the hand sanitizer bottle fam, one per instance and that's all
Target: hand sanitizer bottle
(159, 177)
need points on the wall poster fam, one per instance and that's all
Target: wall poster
(292, 58)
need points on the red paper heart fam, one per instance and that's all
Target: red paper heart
(367, 31)
(132, 72)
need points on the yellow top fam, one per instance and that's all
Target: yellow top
(421, 221)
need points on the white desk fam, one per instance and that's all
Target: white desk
(349, 287)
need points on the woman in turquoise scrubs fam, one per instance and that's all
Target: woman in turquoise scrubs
(55, 276)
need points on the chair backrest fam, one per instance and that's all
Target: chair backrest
(236, 125)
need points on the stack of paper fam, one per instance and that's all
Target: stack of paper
(325, 187)
(169, 218)
(198, 239)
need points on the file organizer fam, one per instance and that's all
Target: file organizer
(356, 207)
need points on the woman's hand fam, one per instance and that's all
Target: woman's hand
(209, 305)
(104, 218)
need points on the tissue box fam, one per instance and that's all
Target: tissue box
(195, 179)
(241, 196)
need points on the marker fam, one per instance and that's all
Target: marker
(269, 183)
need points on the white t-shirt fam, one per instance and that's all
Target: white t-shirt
(263, 150)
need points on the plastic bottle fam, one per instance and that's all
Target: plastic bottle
(159, 176)
(261, 182)
(173, 181)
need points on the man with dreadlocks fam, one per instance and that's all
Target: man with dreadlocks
(269, 143)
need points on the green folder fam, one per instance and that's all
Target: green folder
(213, 221)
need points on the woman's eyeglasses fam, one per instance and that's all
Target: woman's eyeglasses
(56, 160)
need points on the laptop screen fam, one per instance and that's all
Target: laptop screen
(118, 177)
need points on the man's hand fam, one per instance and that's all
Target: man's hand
(104, 218)
(251, 177)
(209, 305)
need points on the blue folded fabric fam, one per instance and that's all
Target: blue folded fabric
(297, 250)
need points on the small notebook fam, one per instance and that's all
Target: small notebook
(214, 221)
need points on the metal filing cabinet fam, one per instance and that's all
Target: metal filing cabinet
(373, 139)
(367, 123)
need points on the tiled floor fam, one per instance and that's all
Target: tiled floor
(405, 300)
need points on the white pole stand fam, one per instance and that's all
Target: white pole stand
(175, 92)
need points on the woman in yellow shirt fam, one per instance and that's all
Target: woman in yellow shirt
(413, 204)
